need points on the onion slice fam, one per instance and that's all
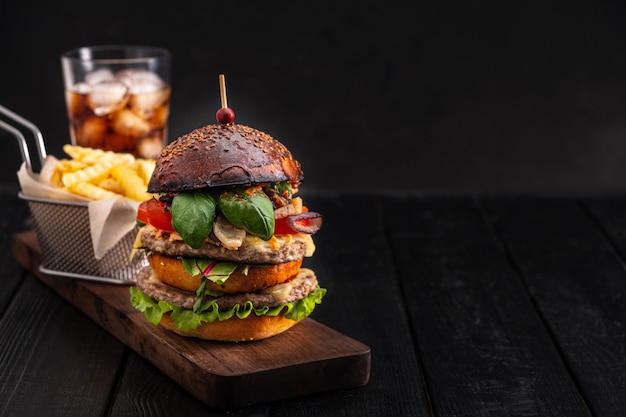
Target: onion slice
(308, 222)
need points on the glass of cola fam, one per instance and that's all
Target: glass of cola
(118, 98)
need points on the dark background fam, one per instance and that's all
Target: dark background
(434, 97)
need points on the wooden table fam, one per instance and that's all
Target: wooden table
(486, 306)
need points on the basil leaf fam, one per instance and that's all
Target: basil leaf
(250, 209)
(192, 217)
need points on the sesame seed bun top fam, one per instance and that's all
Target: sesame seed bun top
(222, 155)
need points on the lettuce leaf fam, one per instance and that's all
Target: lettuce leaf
(187, 319)
(217, 272)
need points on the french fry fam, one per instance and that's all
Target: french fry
(93, 173)
(111, 184)
(63, 167)
(144, 168)
(133, 185)
(90, 191)
(93, 156)
(99, 174)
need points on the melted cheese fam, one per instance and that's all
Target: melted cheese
(274, 243)
(154, 278)
(277, 242)
(258, 243)
(137, 244)
(280, 292)
(310, 246)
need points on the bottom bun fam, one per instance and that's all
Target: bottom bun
(234, 329)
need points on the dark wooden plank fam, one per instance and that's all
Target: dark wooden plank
(485, 350)
(13, 218)
(354, 262)
(145, 391)
(308, 358)
(609, 214)
(54, 361)
(49, 351)
(579, 285)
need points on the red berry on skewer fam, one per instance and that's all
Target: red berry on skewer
(225, 115)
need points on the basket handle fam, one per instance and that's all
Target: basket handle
(41, 147)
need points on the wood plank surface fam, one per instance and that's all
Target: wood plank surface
(47, 348)
(13, 218)
(354, 261)
(579, 286)
(609, 214)
(48, 351)
(484, 348)
(307, 359)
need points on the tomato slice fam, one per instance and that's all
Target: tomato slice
(142, 212)
(305, 222)
(282, 228)
(153, 212)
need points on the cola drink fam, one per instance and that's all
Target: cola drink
(117, 105)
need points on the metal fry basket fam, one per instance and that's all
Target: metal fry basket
(63, 229)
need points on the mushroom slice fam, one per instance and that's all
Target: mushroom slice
(231, 237)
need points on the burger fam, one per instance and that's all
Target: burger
(225, 236)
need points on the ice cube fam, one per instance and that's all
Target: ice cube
(108, 96)
(158, 119)
(99, 76)
(140, 81)
(147, 104)
(81, 88)
(125, 122)
(92, 132)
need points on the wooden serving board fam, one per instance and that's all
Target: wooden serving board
(309, 358)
